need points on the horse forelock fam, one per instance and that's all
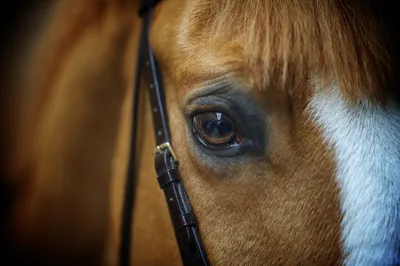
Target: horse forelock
(287, 42)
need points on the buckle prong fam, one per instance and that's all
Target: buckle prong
(164, 146)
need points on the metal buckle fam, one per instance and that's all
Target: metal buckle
(164, 146)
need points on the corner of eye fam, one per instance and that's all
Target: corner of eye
(187, 111)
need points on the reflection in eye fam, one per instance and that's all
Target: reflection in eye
(215, 129)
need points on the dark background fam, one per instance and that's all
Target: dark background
(16, 22)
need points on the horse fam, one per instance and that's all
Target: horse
(284, 116)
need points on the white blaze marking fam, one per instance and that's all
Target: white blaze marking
(366, 143)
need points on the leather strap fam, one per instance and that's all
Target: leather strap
(166, 163)
(130, 183)
(146, 5)
(182, 216)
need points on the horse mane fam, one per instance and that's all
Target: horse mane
(346, 42)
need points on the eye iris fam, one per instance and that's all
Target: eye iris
(215, 128)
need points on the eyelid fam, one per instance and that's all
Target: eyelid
(196, 108)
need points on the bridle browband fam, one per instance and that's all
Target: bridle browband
(166, 163)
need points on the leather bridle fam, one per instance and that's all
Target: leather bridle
(166, 163)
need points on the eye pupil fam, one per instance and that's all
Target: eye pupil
(217, 129)
(214, 128)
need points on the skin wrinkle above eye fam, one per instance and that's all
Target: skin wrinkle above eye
(215, 88)
(243, 109)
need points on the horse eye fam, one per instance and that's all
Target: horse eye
(215, 129)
